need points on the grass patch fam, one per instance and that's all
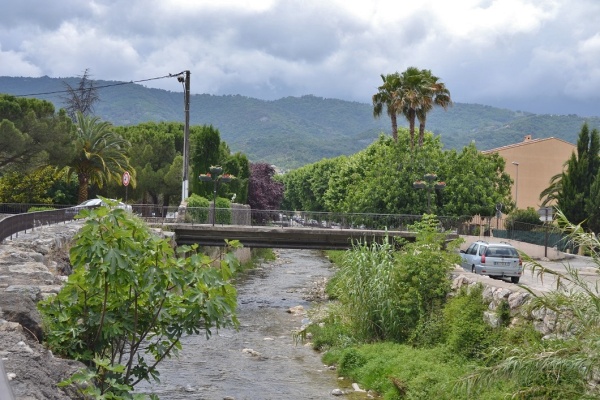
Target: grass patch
(398, 371)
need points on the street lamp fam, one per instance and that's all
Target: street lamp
(184, 78)
(216, 176)
(430, 183)
(516, 164)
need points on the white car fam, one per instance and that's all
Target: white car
(497, 260)
(99, 202)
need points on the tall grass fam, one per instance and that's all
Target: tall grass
(386, 292)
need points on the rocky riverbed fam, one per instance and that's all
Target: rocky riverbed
(33, 265)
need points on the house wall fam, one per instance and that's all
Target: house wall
(539, 160)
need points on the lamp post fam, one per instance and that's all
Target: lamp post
(184, 78)
(516, 164)
(430, 183)
(216, 176)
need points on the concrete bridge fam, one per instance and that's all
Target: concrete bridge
(283, 237)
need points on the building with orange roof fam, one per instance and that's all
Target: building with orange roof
(531, 164)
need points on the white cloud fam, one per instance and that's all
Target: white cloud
(499, 52)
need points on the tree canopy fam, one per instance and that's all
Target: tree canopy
(573, 190)
(380, 179)
(33, 135)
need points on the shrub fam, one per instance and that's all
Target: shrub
(223, 208)
(197, 209)
(523, 220)
(130, 299)
(467, 333)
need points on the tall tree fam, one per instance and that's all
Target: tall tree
(385, 97)
(418, 92)
(32, 135)
(152, 166)
(408, 98)
(205, 152)
(576, 181)
(102, 155)
(82, 97)
(435, 94)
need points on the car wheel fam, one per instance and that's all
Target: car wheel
(473, 269)
(514, 279)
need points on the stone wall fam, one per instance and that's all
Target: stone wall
(494, 294)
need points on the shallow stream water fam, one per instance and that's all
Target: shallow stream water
(261, 360)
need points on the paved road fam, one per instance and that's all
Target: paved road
(585, 267)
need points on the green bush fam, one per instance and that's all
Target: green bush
(523, 220)
(467, 333)
(197, 209)
(223, 207)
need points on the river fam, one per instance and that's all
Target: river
(261, 360)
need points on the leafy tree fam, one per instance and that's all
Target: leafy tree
(237, 165)
(82, 98)
(30, 188)
(102, 155)
(264, 192)
(551, 193)
(576, 181)
(32, 135)
(305, 187)
(475, 183)
(386, 97)
(130, 299)
(204, 153)
(153, 155)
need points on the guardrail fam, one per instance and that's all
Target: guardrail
(13, 224)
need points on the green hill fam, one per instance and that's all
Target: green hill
(294, 131)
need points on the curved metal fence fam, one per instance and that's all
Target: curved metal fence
(13, 224)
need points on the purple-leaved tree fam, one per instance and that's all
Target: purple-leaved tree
(264, 193)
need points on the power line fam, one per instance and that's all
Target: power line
(100, 87)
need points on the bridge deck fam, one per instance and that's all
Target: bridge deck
(281, 237)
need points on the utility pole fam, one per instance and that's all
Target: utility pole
(186, 135)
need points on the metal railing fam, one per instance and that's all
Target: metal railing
(286, 218)
(13, 224)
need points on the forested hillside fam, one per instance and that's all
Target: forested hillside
(295, 131)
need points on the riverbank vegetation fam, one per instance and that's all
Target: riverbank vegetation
(395, 328)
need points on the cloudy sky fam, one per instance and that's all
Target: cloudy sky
(541, 56)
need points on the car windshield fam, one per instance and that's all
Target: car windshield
(501, 252)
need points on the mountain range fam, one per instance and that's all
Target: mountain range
(294, 131)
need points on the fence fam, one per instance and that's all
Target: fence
(13, 224)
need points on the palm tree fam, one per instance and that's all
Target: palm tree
(407, 98)
(552, 192)
(386, 97)
(418, 93)
(101, 155)
(435, 93)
